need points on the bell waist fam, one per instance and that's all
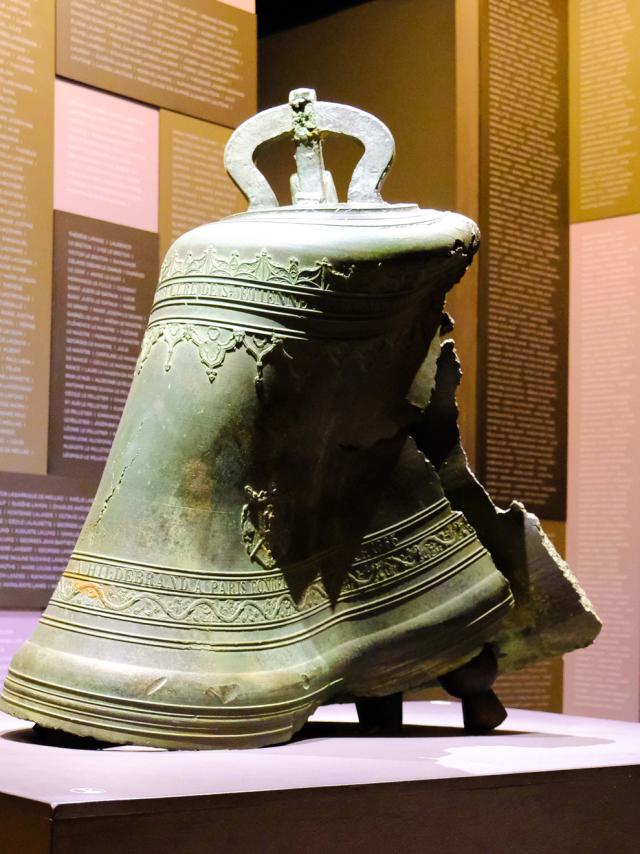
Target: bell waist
(321, 301)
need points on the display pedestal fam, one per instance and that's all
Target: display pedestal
(542, 783)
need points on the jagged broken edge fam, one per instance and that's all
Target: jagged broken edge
(552, 614)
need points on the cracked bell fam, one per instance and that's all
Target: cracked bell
(266, 536)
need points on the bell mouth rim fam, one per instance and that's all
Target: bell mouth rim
(342, 215)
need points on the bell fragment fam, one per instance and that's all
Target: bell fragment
(286, 517)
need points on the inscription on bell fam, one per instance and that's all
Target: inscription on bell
(240, 293)
(174, 581)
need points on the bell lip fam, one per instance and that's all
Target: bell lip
(76, 714)
(128, 718)
(342, 215)
(330, 206)
(342, 211)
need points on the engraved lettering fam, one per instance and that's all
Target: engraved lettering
(143, 598)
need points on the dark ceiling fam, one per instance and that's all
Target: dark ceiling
(275, 16)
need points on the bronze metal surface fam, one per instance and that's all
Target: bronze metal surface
(267, 536)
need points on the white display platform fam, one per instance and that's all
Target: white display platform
(541, 783)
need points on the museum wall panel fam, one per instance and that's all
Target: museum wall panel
(104, 277)
(193, 56)
(41, 518)
(523, 279)
(26, 173)
(603, 540)
(88, 184)
(605, 108)
(106, 157)
(523, 268)
(194, 186)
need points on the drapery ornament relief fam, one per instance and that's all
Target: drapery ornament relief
(262, 268)
(211, 343)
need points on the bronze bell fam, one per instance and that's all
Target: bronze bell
(266, 536)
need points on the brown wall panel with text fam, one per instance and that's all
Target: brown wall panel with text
(104, 280)
(26, 215)
(40, 519)
(193, 56)
(523, 267)
(523, 277)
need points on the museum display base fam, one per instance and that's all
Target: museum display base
(541, 783)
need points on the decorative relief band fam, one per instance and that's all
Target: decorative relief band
(410, 556)
(86, 591)
(204, 612)
(211, 343)
(379, 546)
(262, 268)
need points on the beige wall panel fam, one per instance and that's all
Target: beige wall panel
(462, 302)
(194, 186)
(603, 535)
(604, 108)
(247, 5)
(26, 235)
(557, 533)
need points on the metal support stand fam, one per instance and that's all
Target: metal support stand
(380, 715)
(482, 711)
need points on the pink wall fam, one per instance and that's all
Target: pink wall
(247, 5)
(15, 628)
(603, 531)
(106, 157)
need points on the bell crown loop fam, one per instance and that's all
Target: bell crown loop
(307, 121)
